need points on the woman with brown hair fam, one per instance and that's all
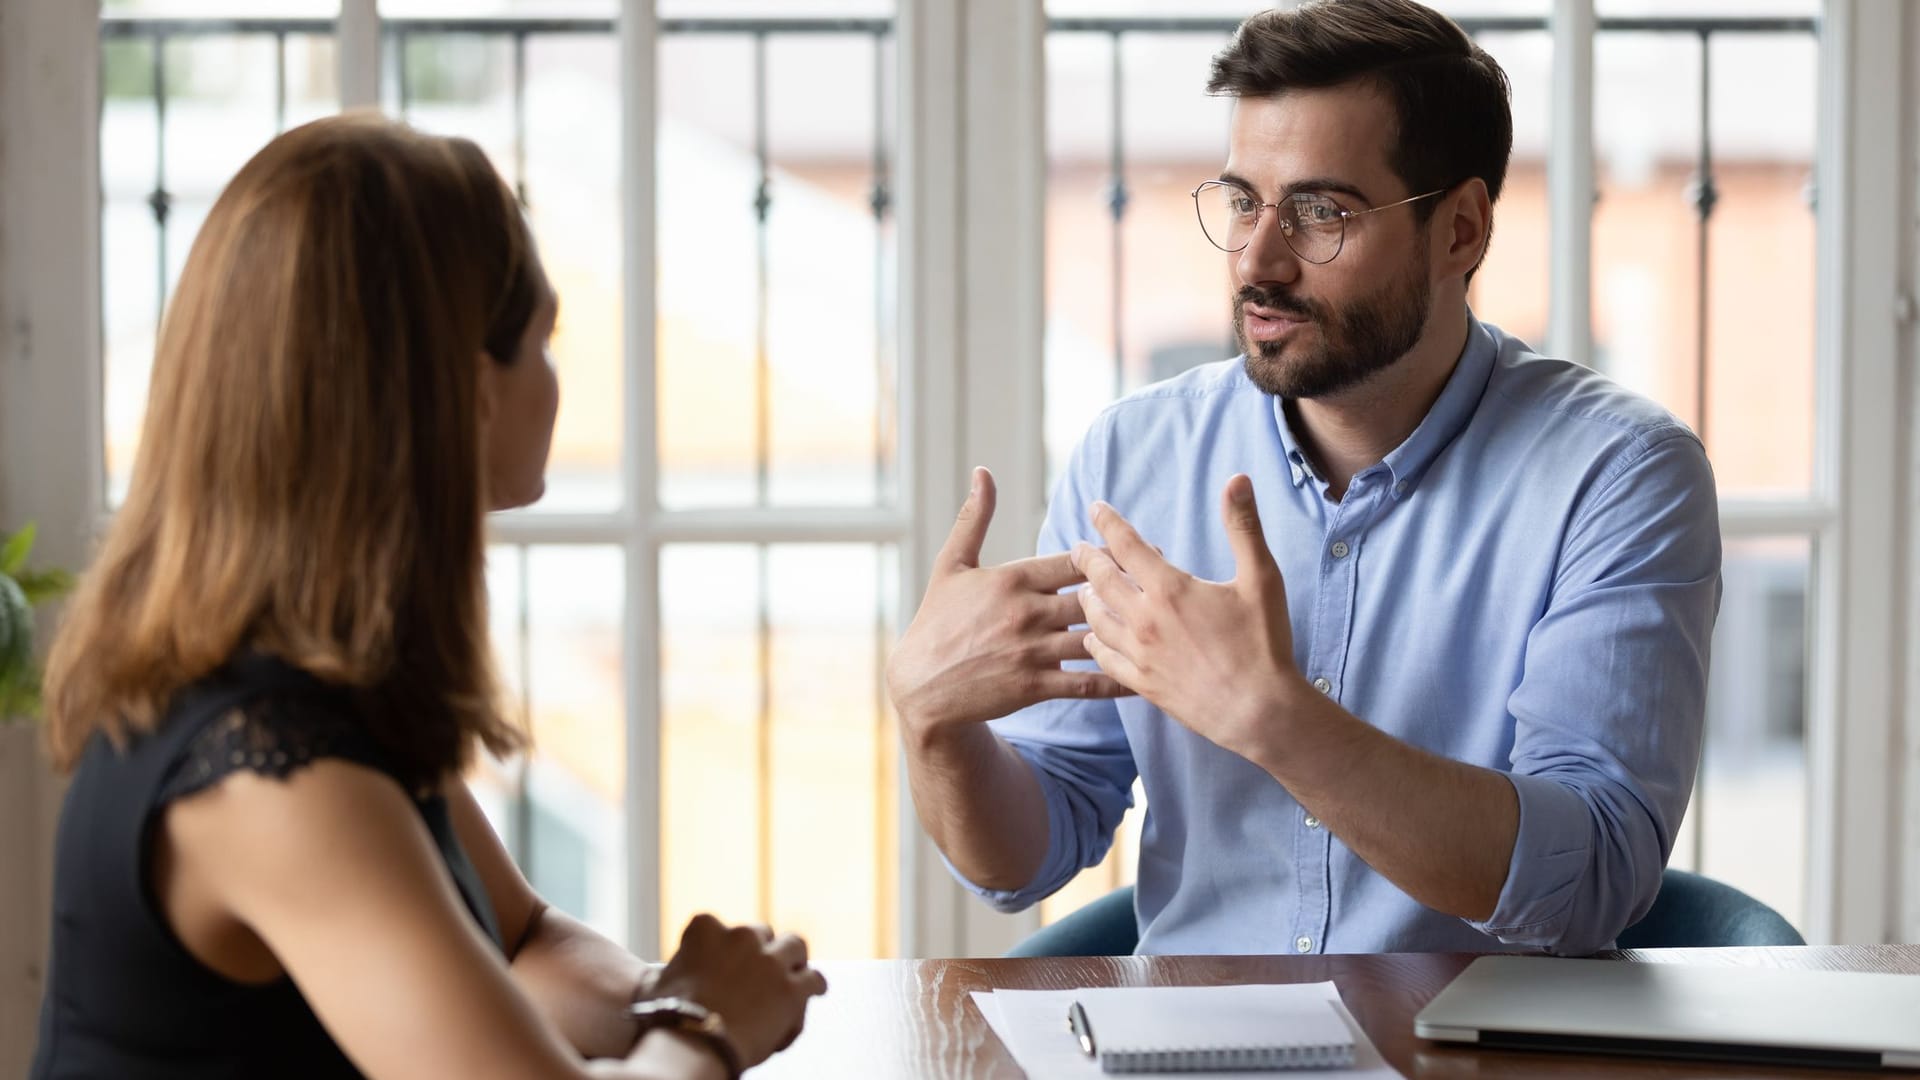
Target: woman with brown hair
(272, 679)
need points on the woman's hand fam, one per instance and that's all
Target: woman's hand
(759, 984)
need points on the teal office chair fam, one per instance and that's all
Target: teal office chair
(1691, 910)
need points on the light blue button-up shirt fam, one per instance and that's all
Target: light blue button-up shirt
(1528, 583)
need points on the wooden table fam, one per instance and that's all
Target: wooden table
(914, 1018)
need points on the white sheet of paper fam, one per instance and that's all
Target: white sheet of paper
(1032, 1024)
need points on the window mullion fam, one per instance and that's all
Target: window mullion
(639, 48)
(1002, 274)
(358, 35)
(1570, 184)
(930, 189)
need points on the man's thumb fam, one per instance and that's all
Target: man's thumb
(1251, 557)
(962, 548)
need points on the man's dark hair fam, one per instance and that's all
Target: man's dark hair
(1449, 98)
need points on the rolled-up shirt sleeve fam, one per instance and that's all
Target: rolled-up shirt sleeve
(1079, 755)
(1611, 704)
(1078, 749)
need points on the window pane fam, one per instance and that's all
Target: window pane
(496, 784)
(1759, 412)
(1110, 9)
(778, 755)
(1510, 289)
(466, 9)
(814, 425)
(1146, 298)
(291, 9)
(833, 747)
(1240, 9)
(1728, 8)
(1747, 825)
(562, 156)
(711, 686)
(576, 856)
(158, 181)
(556, 617)
(774, 9)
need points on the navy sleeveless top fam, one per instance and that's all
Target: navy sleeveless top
(124, 998)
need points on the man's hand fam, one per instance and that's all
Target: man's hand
(1216, 656)
(988, 641)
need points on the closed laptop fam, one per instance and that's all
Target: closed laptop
(1768, 1016)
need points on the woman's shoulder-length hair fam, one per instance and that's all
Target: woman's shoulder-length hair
(309, 480)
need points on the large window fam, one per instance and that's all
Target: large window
(695, 618)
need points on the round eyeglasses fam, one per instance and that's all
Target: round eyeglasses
(1314, 225)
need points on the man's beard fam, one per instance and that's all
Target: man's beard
(1356, 343)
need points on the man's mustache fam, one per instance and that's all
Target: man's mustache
(1277, 301)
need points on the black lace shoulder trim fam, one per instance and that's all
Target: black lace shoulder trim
(272, 735)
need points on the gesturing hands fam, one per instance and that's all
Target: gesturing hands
(988, 641)
(1216, 656)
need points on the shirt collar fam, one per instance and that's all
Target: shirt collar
(1448, 416)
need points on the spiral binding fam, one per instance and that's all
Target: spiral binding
(1198, 1059)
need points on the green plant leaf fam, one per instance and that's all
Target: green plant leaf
(16, 630)
(44, 585)
(8, 692)
(20, 698)
(13, 553)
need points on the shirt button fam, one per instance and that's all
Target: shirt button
(1312, 822)
(1400, 489)
(1322, 685)
(1303, 943)
(1339, 549)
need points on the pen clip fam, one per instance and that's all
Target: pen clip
(1081, 1027)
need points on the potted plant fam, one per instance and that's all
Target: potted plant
(21, 591)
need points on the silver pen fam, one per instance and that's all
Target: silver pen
(1082, 1029)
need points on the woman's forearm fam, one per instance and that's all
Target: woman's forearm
(664, 1055)
(582, 982)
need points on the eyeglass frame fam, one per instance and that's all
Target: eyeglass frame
(1286, 233)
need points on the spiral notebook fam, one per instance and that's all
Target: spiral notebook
(1215, 1028)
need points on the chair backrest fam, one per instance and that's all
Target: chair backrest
(1691, 911)
(1105, 927)
(1694, 911)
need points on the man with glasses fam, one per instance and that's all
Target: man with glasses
(1402, 627)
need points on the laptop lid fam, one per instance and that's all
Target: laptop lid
(1768, 1016)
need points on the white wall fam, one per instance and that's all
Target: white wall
(48, 350)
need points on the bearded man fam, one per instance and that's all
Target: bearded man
(1431, 672)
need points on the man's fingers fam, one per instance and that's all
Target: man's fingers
(1045, 573)
(1099, 616)
(1129, 549)
(1105, 574)
(1057, 612)
(1062, 645)
(1078, 684)
(1115, 664)
(1252, 559)
(962, 549)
